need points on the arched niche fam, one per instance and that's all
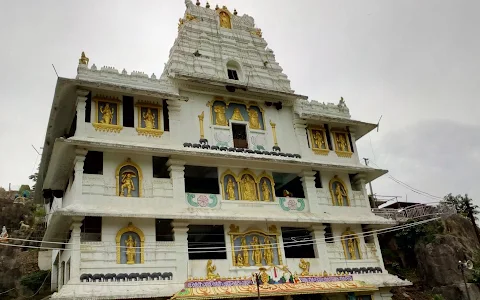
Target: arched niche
(225, 19)
(229, 181)
(351, 245)
(129, 179)
(219, 111)
(248, 185)
(255, 118)
(339, 192)
(123, 235)
(237, 111)
(266, 187)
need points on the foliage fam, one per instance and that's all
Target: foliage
(34, 281)
(11, 214)
(408, 237)
(462, 204)
(476, 268)
(39, 211)
(438, 297)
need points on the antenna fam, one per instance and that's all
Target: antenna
(55, 73)
(35, 149)
(378, 123)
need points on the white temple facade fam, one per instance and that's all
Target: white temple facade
(193, 183)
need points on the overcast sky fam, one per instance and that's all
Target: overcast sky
(414, 62)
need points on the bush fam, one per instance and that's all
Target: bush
(35, 280)
(438, 297)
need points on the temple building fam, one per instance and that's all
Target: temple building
(213, 180)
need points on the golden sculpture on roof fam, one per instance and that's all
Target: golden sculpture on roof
(225, 20)
(305, 267)
(83, 59)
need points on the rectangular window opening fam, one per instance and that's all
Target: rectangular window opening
(288, 182)
(160, 168)
(318, 180)
(128, 114)
(328, 233)
(369, 239)
(200, 179)
(206, 236)
(91, 229)
(164, 230)
(93, 163)
(88, 108)
(301, 238)
(350, 140)
(354, 184)
(166, 120)
(308, 140)
(239, 135)
(329, 138)
(232, 74)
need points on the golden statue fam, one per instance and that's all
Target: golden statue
(237, 115)
(342, 142)
(340, 193)
(318, 141)
(107, 114)
(249, 190)
(211, 270)
(130, 245)
(351, 248)
(240, 260)
(225, 20)
(244, 249)
(220, 118)
(230, 190)
(266, 191)
(127, 183)
(83, 59)
(149, 119)
(256, 251)
(305, 267)
(268, 252)
(253, 119)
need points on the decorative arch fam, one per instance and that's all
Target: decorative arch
(248, 185)
(339, 192)
(266, 179)
(224, 184)
(218, 112)
(121, 249)
(129, 167)
(351, 245)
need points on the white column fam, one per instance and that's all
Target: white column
(76, 245)
(81, 104)
(301, 134)
(177, 175)
(180, 230)
(174, 108)
(320, 247)
(379, 252)
(308, 182)
(78, 167)
(360, 180)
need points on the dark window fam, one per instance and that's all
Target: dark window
(128, 119)
(368, 237)
(160, 168)
(206, 236)
(232, 74)
(308, 140)
(329, 138)
(239, 136)
(93, 163)
(288, 182)
(350, 140)
(88, 108)
(318, 180)
(356, 186)
(201, 180)
(328, 233)
(163, 230)
(91, 229)
(297, 242)
(364, 297)
(166, 120)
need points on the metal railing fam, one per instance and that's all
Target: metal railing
(435, 209)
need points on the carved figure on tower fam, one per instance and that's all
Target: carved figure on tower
(268, 252)
(225, 20)
(249, 190)
(266, 191)
(342, 143)
(230, 189)
(305, 267)
(127, 184)
(253, 119)
(107, 114)
(211, 270)
(340, 193)
(244, 249)
(149, 119)
(351, 248)
(130, 245)
(318, 140)
(220, 118)
(237, 115)
(256, 251)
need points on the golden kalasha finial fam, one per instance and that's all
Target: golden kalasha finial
(83, 59)
(224, 7)
(235, 11)
(198, 3)
(208, 5)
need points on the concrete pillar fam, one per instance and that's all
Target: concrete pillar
(320, 247)
(360, 181)
(78, 167)
(180, 230)
(378, 252)
(76, 246)
(308, 182)
(81, 104)
(174, 108)
(299, 126)
(177, 175)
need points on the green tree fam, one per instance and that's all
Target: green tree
(464, 206)
(24, 190)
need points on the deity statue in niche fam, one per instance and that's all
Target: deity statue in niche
(352, 247)
(107, 114)
(305, 267)
(237, 115)
(240, 260)
(211, 270)
(253, 119)
(340, 193)
(318, 140)
(130, 245)
(225, 20)
(342, 142)
(220, 118)
(268, 252)
(249, 189)
(256, 251)
(244, 249)
(230, 189)
(266, 191)
(149, 119)
(127, 183)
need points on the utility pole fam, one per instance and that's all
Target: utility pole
(370, 185)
